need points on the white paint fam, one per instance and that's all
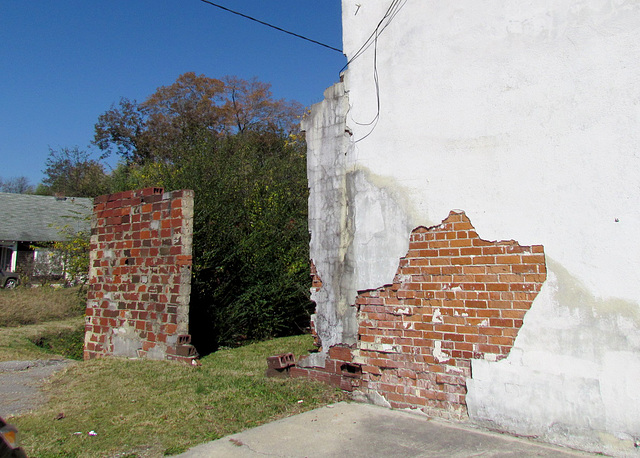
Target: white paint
(440, 354)
(583, 355)
(490, 357)
(519, 105)
(341, 198)
(526, 115)
(437, 316)
(380, 347)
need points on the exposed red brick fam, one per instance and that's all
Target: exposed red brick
(461, 298)
(137, 273)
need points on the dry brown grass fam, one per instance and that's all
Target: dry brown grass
(23, 306)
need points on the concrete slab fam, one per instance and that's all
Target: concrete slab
(365, 430)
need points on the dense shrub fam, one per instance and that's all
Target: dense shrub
(251, 243)
(229, 141)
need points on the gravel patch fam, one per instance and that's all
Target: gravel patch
(20, 383)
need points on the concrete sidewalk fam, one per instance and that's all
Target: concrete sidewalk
(20, 383)
(364, 430)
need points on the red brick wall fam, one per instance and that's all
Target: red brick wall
(455, 297)
(140, 275)
(316, 284)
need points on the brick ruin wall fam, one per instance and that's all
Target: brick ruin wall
(140, 275)
(455, 297)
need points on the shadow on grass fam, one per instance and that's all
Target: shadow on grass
(66, 342)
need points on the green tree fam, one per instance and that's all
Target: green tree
(71, 172)
(251, 273)
(233, 144)
(75, 251)
(120, 130)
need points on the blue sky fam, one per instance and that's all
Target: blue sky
(65, 62)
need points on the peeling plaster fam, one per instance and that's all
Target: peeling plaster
(575, 358)
(125, 341)
(330, 219)
(440, 355)
(343, 197)
(376, 398)
(519, 93)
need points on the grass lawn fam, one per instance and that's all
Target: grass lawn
(51, 318)
(154, 408)
(19, 342)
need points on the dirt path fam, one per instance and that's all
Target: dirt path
(20, 383)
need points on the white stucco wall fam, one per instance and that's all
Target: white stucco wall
(526, 115)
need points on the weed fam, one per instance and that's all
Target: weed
(175, 450)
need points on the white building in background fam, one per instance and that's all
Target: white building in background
(526, 116)
(29, 224)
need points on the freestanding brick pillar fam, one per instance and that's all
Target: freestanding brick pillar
(140, 275)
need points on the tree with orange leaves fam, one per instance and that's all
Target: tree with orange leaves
(176, 115)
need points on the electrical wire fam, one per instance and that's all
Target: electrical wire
(271, 25)
(392, 11)
(394, 8)
(390, 14)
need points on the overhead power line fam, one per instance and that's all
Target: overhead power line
(270, 25)
(392, 11)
